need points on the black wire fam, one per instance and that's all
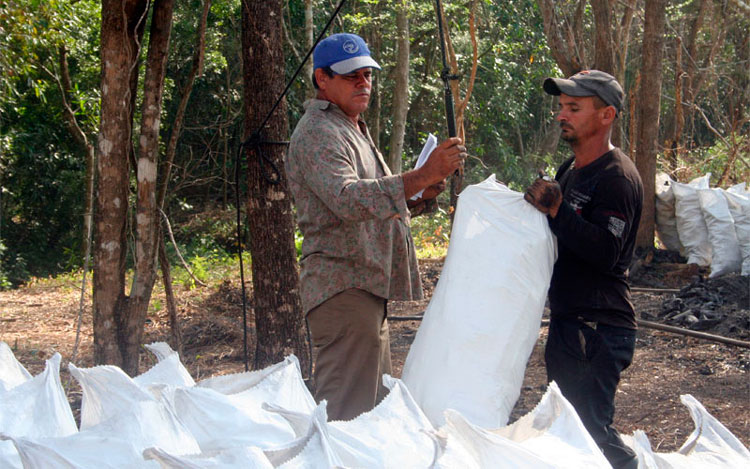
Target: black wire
(257, 143)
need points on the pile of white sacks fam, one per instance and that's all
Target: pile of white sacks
(465, 370)
(710, 226)
(267, 419)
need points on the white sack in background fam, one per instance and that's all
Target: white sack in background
(726, 256)
(739, 207)
(234, 458)
(470, 352)
(710, 446)
(690, 223)
(666, 223)
(12, 373)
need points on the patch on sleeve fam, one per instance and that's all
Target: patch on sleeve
(616, 226)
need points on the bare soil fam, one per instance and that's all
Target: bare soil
(40, 319)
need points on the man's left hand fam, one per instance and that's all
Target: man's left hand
(545, 195)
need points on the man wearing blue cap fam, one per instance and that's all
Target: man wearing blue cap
(357, 251)
(594, 208)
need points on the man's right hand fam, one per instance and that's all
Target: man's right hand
(443, 161)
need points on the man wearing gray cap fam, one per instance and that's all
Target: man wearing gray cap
(357, 251)
(594, 207)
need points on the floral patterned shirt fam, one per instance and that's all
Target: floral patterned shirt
(350, 209)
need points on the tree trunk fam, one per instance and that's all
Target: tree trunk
(119, 319)
(648, 114)
(121, 33)
(401, 88)
(566, 56)
(278, 310)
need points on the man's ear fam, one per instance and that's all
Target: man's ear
(321, 78)
(609, 114)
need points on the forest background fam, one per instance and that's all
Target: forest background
(685, 67)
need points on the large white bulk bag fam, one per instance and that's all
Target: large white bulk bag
(666, 223)
(690, 223)
(739, 207)
(726, 256)
(480, 327)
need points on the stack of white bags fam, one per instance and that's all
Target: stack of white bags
(465, 370)
(711, 227)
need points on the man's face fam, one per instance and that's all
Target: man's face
(350, 92)
(579, 119)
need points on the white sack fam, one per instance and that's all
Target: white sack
(84, 450)
(691, 226)
(313, 450)
(34, 407)
(740, 188)
(739, 207)
(486, 449)
(220, 420)
(710, 446)
(726, 256)
(38, 407)
(666, 222)
(554, 432)
(168, 370)
(233, 458)
(392, 435)
(470, 352)
(114, 405)
(12, 373)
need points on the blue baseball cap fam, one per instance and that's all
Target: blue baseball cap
(343, 53)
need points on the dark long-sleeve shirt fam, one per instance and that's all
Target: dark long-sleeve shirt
(596, 227)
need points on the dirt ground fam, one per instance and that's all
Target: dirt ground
(40, 319)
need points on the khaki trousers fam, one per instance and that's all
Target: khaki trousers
(350, 334)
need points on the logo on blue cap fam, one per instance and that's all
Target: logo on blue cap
(350, 47)
(343, 53)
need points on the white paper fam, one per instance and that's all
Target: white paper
(429, 145)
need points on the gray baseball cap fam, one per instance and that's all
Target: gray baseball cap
(588, 83)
